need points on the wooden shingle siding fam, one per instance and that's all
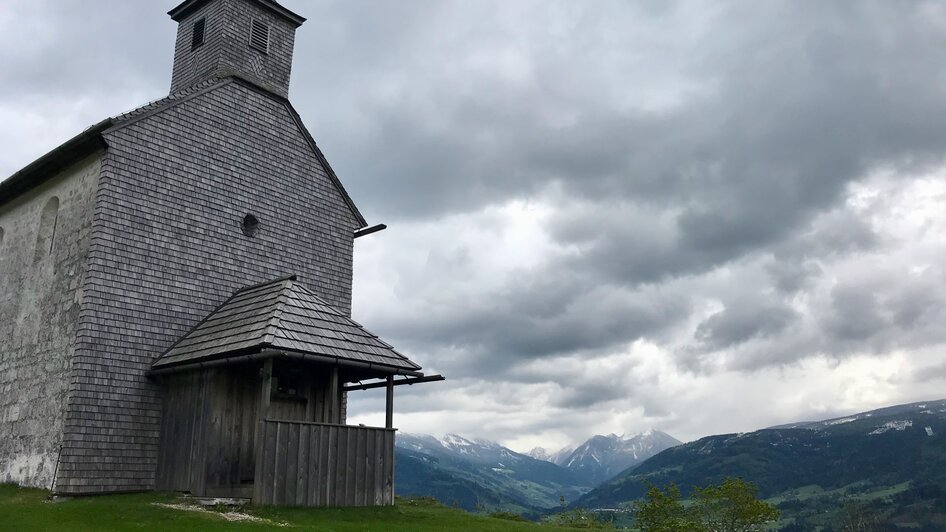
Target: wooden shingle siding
(226, 46)
(314, 464)
(166, 249)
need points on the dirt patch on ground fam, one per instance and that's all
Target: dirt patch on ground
(228, 516)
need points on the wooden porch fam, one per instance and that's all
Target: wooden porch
(255, 403)
(236, 432)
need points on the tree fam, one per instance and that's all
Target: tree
(662, 511)
(728, 507)
(856, 516)
(732, 506)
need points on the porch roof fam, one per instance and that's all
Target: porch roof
(281, 315)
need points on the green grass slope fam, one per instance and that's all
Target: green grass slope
(27, 510)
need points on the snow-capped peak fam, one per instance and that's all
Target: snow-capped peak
(540, 453)
(454, 440)
(637, 435)
(602, 457)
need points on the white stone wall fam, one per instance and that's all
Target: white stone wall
(41, 272)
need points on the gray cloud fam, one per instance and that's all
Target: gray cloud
(855, 314)
(743, 320)
(793, 105)
(534, 320)
(78, 48)
(931, 373)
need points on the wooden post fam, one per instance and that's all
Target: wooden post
(389, 404)
(334, 398)
(266, 385)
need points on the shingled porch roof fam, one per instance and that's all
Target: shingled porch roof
(282, 316)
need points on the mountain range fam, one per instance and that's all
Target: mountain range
(556, 457)
(892, 461)
(888, 464)
(477, 474)
(602, 457)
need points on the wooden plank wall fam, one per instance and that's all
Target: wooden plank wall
(208, 432)
(314, 464)
(317, 403)
(182, 435)
(231, 430)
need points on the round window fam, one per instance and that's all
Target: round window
(250, 225)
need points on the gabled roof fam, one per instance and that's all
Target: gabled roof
(91, 140)
(189, 6)
(47, 166)
(282, 315)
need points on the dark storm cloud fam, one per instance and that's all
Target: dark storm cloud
(875, 311)
(855, 314)
(879, 312)
(931, 373)
(743, 320)
(783, 107)
(797, 102)
(533, 318)
(579, 397)
(790, 275)
(795, 262)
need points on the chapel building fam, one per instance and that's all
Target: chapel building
(176, 287)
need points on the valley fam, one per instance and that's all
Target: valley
(887, 464)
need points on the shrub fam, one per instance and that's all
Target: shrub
(508, 516)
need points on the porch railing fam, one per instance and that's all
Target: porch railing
(318, 464)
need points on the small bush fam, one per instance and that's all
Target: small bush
(579, 518)
(422, 502)
(509, 516)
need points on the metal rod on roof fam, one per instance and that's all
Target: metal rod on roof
(370, 230)
(409, 381)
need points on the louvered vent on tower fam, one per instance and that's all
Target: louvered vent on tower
(259, 36)
(197, 37)
(252, 39)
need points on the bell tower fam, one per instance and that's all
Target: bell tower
(251, 39)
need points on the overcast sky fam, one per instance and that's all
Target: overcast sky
(702, 217)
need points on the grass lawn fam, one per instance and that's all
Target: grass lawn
(31, 510)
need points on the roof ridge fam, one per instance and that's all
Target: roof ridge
(168, 102)
(276, 318)
(154, 104)
(291, 277)
(306, 290)
(333, 177)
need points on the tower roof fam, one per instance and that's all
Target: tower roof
(189, 6)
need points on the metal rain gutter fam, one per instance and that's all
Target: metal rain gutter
(263, 355)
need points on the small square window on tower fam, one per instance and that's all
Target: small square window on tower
(197, 37)
(259, 36)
